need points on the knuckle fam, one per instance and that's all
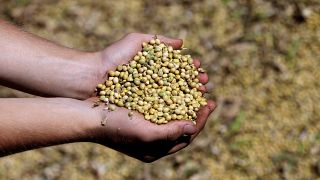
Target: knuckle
(133, 34)
(130, 35)
(174, 133)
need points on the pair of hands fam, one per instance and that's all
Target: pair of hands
(41, 67)
(136, 136)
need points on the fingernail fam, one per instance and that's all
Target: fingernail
(189, 129)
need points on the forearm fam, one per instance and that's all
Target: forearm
(37, 66)
(39, 122)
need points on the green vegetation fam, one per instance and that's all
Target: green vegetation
(237, 123)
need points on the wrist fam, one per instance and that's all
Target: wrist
(85, 122)
(91, 127)
(88, 73)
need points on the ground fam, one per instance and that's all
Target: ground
(263, 61)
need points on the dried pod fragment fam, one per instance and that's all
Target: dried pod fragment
(104, 121)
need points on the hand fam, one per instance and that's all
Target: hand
(122, 51)
(125, 49)
(57, 71)
(142, 139)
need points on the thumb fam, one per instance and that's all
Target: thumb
(203, 115)
(175, 43)
(176, 129)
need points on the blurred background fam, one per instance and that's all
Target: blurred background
(263, 57)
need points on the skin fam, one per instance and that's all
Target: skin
(40, 67)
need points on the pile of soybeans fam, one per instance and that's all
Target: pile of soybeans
(159, 82)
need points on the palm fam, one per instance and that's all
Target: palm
(144, 140)
(121, 52)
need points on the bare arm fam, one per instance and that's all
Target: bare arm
(29, 123)
(37, 66)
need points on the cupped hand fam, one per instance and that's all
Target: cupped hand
(123, 50)
(120, 52)
(142, 139)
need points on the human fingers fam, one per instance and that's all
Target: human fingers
(203, 114)
(176, 129)
(140, 38)
(185, 140)
(203, 77)
(203, 89)
(196, 63)
(182, 144)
